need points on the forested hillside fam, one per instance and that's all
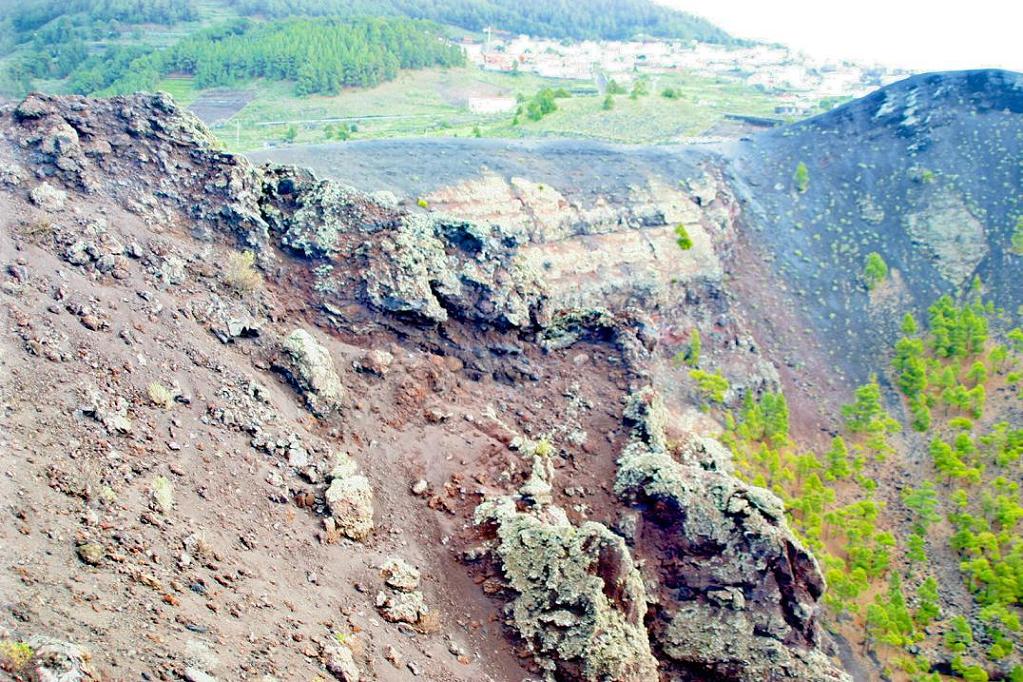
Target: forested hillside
(319, 55)
(52, 38)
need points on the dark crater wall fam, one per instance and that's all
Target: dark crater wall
(926, 172)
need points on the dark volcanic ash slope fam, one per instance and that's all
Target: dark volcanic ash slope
(928, 172)
(388, 443)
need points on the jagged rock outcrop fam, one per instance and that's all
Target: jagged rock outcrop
(739, 591)
(356, 254)
(149, 155)
(363, 248)
(405, 263)
(600, 251)
(580, 600)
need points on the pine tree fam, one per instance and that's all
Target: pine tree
(838, 460)
(692, 356)
(1017, 237)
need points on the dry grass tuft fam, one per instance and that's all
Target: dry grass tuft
(240, 273)
(160, 395)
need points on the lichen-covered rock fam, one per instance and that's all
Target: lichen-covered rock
(397, 606)
(743, 603)
(725, 639)
(375, 361)
(944, 227)
(48, 197)
(54, 660)
(111, 413)
(580, 600)
(350, 500)
(341, 663)
(310, 368)
(630, 330)
(412, 265)
(400, 574)
(537, 489)
(11, 174)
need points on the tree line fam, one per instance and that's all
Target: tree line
(593, 19)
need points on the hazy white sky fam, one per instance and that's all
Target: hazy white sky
(934, 35)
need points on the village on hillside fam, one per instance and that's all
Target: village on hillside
(801, 82)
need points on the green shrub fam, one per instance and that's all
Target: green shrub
(14, 656)
(682, 238)
(875, 270)
(541, 104)
(959, 635)
(241, 274)
(801, 178)
(160, 395)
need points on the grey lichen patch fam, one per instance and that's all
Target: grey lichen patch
(580, 599)
(725, 639)
(950, 233)
(870, 210)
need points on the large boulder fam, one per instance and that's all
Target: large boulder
(54, 660)
(341, 663)
(308, 366)
(350, 500)
(48, 197)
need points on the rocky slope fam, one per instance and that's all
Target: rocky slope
(389, 442)
(258, 424)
